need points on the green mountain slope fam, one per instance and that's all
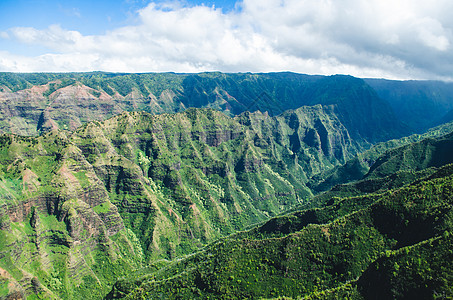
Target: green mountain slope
(417, 156)
(60, 234)
(220, 174)
(421, 271)
(388, 158)
(118, 185)
(342, 245)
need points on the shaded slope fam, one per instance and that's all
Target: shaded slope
(359, 167)
(422, 271)
(358, 107)
(419, 104)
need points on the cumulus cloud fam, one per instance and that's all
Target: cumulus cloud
(382, 38)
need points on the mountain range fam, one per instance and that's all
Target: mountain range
(223, 185)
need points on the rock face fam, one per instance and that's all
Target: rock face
(20, 111)
(88, 206)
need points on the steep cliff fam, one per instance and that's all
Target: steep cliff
(419, 104)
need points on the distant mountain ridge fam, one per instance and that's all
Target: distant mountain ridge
(33, 103)
(419, 104)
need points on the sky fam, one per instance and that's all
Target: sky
(394, 39)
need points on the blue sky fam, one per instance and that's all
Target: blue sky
(88, 17)
(398, 39)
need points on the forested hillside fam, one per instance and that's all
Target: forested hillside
(395, 244)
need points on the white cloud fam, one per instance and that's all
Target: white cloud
(386, 38)
(432, 34)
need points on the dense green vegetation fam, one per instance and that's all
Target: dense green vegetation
(420, 156)
(53, 244)
(208, 174)
(394, 244)
(133, 190)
